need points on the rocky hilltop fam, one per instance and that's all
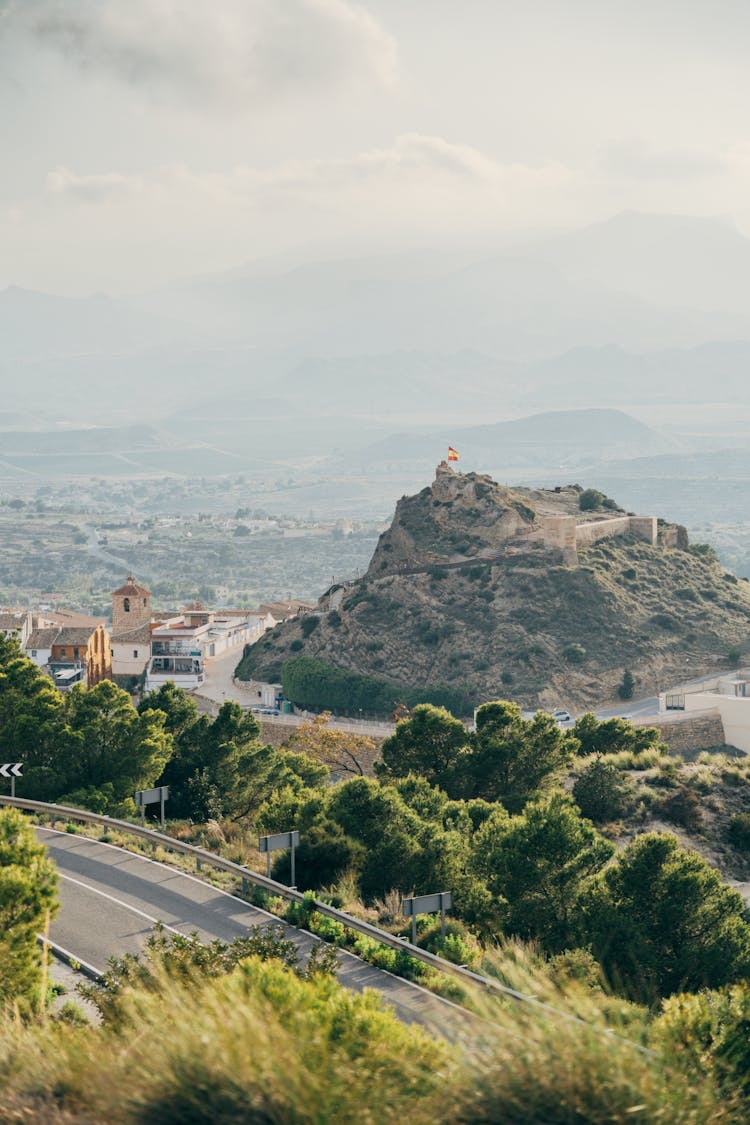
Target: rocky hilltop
(519, 593)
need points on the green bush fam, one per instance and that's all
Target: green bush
(591, 499)
(738, 833)
(327, 928)
(297, 645)
(709, 1033)
(682, 807)
(313, 683)
(574, 653)
(627, 685)
(601, 792)
(309, 624)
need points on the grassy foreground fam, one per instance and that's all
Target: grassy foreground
(261, 1044)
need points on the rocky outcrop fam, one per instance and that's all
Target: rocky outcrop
(470, 588)
(459, 517)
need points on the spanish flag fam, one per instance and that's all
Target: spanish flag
(452, 453)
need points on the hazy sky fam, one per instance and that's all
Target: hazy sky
(142, 140)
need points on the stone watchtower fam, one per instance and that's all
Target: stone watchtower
(131, 607)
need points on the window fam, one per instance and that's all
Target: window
(126, 605)
(62, 652)
(33, 652)
(144, 601)
(75, 653)
(135, 653)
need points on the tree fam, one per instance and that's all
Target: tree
(627, 686)
(108, 750)
(591, 499)
(612, 735)
(511, 759)
(538, 865)
(429, 743)
(601, 792)
(28, 899)
(31, 718)
(341, 751)
(660, 921)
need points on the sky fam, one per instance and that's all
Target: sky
(146, 140)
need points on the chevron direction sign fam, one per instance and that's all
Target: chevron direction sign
(12, 770)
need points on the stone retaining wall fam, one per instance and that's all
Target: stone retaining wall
(694, 732)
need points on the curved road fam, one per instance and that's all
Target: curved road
(112, 898)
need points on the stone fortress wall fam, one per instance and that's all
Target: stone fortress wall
(564, 533)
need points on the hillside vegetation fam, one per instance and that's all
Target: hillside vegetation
(518, 818)
(460, 595)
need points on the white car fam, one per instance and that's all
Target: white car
(562, 716)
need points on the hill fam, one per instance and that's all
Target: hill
(477, 589)
(553, 437)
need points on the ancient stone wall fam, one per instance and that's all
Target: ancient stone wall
(693, 732)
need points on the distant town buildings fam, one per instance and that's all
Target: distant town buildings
(131, 628)
(71, 647)
(155, 647)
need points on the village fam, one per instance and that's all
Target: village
(144, 649)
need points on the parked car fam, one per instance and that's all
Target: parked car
(562, 716)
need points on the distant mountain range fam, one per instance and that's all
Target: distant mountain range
(555, 437)
(643, 308)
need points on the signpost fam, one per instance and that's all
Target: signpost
(279, 842)
(145, 797)
(427, 904)
(12, 770)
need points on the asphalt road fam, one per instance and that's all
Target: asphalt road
(112, 898)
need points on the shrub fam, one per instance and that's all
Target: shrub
(665, 621)
(738, 832)
(327, 928)
(709, 1033)
(682, 807)
(601, 793)
(296, 645)
(309, 624)
(334, 618)
(627, 685)
(574, 653)
(459, 945)
(591, 499)
(507, 677)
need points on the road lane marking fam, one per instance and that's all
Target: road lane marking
(119, 902)
(166, 867)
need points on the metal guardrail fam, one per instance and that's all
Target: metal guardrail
(467, 976)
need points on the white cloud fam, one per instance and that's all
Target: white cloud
(235, 52)
(426, 165)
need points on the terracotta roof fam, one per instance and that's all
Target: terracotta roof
(65, 617)
(141, 634)
(12, 620)
(71, 635)
(43, 638)
(132, 589)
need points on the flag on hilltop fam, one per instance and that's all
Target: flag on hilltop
(452, 453)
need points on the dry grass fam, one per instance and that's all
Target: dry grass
(262, 1046)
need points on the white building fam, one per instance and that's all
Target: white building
(180, 645)
(131, 628)
(16, 623)
(729, 695)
